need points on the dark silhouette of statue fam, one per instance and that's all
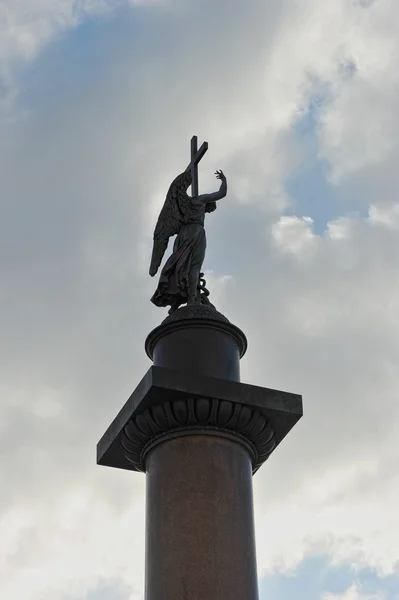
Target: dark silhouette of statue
(181, 280)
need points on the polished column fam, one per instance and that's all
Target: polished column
(200, 528)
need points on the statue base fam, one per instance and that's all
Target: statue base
(198, 339)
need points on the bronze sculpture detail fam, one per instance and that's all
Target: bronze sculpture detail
(180, 281)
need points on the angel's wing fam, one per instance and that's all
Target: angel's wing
(169, 221)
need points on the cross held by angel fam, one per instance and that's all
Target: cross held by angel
(183, 215)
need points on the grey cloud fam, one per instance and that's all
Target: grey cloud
(82, 177)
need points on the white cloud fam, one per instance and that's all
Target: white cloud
(80, 542)
(293, 235)
(27, 26)
(359, 128)
(385, 215)
(352, 593)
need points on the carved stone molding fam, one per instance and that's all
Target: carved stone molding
(209, 416)
(196, 311)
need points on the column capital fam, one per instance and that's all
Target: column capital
(168, 403)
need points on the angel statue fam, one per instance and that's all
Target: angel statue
(182, 215)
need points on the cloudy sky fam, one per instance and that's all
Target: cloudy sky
(298, 100)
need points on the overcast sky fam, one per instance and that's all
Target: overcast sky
(298, 100)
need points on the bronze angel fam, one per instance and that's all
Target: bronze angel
(184, 216)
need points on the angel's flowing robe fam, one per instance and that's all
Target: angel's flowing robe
(180, 275)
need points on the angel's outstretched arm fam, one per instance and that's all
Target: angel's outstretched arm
(221, 193)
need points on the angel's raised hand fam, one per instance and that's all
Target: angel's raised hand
(220, 175)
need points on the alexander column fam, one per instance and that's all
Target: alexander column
(191, 426)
